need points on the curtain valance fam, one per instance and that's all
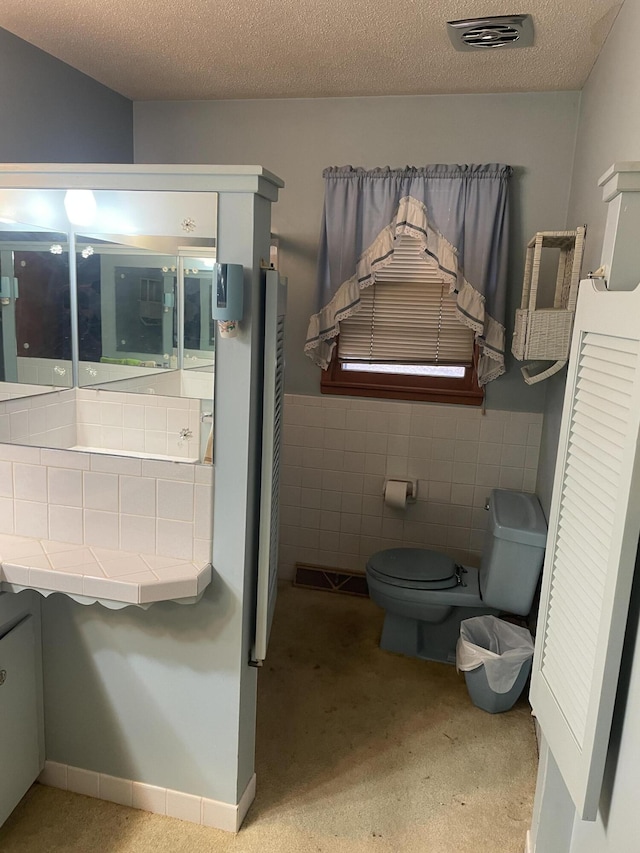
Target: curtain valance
(459, 215)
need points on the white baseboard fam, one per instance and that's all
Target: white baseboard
(528, 847)
(137, 795)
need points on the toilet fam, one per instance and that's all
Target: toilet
(426, 595)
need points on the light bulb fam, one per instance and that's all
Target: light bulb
(80, 206)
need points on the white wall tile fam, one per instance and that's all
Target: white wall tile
(115, 790)
(30, 482)
(203, 511)
(65, 486)
(6, 480)
(54, 774)
(101, 528)
(513, 455)
(66, 523)
(138, 495)
(308, 498)
(20, 453)
(31, 519)
(101, 491)
(175, 500)
(331, 501)
(168, 470)
(137, 533)
(455, 453)
(464, 472)
(174, 538)
(6, 515)
(110, 464)
(149, 798)
(133, 416)
(83, 782)
(112, 438)
(184, 806)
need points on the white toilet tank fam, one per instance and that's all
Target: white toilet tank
(513, 551)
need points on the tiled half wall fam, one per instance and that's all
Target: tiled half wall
(338, 451)
(143, 505)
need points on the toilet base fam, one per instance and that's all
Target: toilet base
(427, 640)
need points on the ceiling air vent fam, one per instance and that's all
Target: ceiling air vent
(499, 31)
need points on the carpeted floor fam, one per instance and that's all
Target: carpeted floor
(358, 750)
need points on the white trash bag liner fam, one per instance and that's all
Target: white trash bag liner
(500, 646)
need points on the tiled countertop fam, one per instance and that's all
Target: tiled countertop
(101, 574)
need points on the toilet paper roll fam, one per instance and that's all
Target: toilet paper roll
(395, 494)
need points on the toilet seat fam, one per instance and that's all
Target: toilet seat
(414, 568)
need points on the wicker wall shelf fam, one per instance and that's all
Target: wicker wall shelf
(544, 334)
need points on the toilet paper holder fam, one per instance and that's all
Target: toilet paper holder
(412, 487)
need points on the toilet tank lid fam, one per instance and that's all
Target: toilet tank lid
(517, 517)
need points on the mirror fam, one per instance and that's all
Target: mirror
(137, 301)
(127, 311)
(35, 315)
(199, 327)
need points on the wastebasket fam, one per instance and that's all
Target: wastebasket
(495, 657)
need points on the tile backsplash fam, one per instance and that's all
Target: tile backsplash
(338, 451)
(146, 505)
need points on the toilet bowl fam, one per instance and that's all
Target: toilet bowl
(426, 595)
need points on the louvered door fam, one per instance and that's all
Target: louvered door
(273, 401)
(594, 526)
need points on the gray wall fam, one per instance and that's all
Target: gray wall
(296, 139)
(609, 131)
(52, 113)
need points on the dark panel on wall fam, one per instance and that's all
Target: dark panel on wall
(52, 113)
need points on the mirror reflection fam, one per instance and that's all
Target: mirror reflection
(127, 317)
(141, 279)
(199, 327)
(35, 318)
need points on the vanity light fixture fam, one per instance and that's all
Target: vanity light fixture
(80, 206)
(87, 252)
(56, 249)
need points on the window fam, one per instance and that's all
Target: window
(406, 341)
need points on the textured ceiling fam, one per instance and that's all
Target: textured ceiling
(203, 49)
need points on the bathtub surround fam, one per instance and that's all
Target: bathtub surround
(338, 452)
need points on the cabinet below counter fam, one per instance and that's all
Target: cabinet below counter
(89, 574)
(21, 706)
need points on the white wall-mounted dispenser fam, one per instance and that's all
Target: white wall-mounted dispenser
(227, 301)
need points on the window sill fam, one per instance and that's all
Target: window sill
(451, 391)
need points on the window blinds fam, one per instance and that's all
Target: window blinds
(407, 316)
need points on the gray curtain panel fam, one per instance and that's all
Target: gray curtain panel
(459, 215)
